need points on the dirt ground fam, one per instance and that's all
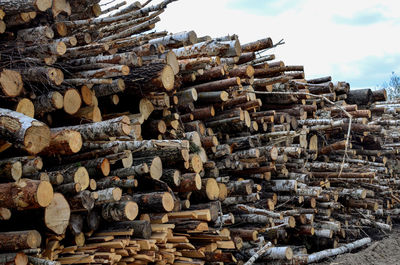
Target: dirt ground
(383, 252)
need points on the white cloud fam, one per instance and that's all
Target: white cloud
(312, 37)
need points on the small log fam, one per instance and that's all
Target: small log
(65, 142)
(109, 195)
(16, 240)
(19, 258)
(10, 169)
(142, 228)
(120, 211)
(26, 194)
(156, 201)
(48, 102)
(30, 134)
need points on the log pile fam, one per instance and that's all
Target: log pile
(125, 145)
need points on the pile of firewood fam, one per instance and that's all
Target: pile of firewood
(123, 145)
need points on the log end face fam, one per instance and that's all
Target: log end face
(168, 202)
(168, 78)
(289, 253)
(57, 100)
(117, 194)
(197, 181)
(37, 137)
(237, 48)
(192, 37)
(61, 48)
(21, 259)
(274, 153)
(34, 239)
(75, 144)
(44, 194)
(5, 214)
(16, 170)
(156, 168)
(105, 167)
(11, 83)
(57, 214)
(212, 189)
(131, 210)
(2, 26)
(250, 71)
(196, 163)
(43, 5)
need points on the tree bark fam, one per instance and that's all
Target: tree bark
(16, 240)
(156, 201)
(101, 130)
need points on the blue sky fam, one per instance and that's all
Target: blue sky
(352, 40)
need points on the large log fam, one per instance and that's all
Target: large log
(156, 201)
(27, 133)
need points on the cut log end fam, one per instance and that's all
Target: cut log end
(57, 214)
(16, 170)
(11, 83)
(168, 202)
(212, 189)
(25, 106)
(105, 167)
(117, 194)
(2, 26)
(156, 168)
(5, 214)
(34, 239)
(61, 48)
(44, 194)
(37, 137)
(81, 176)
(196, 163)
(197, 181)
(168, 78)
(43, 5)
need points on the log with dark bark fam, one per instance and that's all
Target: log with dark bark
(26, 194)
(18, 240)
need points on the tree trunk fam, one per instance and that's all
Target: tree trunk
(19, 6)
(65, 142)
(14, 258)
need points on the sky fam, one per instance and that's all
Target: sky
(351, 40)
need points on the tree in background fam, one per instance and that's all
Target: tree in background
(393, 87)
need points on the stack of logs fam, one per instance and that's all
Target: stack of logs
(124, 145)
